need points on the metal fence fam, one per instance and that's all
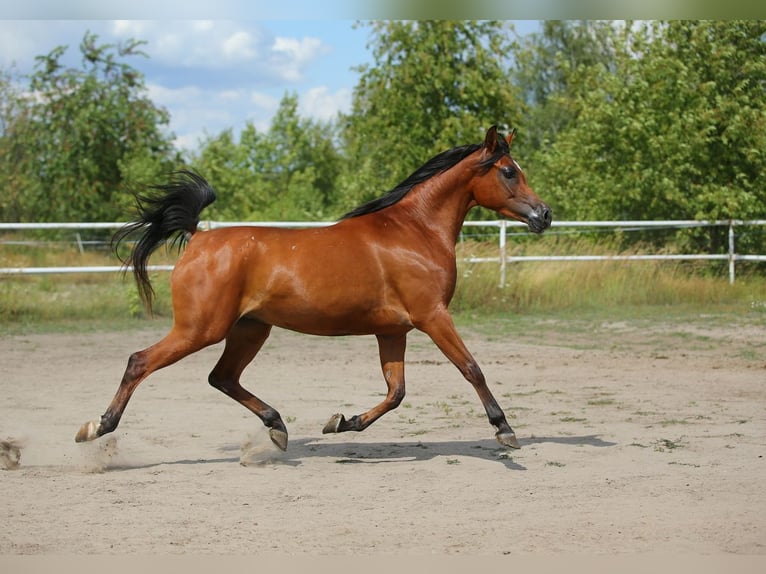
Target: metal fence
(502, 226)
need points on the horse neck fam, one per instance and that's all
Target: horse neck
(441, 203)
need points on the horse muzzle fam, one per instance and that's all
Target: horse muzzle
(540, 218)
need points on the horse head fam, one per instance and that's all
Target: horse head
(502, 185)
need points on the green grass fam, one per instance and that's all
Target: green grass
(588, 286)
(57, 302)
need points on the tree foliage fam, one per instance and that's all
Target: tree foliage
(69, 146)
(13, 180)
(289, 172)
(672, 128)
(617, 120)
(546, 63)
(433, 85)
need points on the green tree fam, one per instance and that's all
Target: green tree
(433, 85)
(544, 64)
(224, 163)
(14, 179)
(81, 134)
(676, 131)
(287, 173)
(299, 164)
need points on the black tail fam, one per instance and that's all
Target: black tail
(170, 215)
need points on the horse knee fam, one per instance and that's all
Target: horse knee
(396, 396)
(136, 366)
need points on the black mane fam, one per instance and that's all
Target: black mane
(434, 166)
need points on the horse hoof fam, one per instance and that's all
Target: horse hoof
(279, 438)
(508, 439)
(333, 425)
(88, 431)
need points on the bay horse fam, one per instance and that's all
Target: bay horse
(385, 268)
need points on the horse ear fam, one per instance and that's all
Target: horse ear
(490, 140)
(510, 136)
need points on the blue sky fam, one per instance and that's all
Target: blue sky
(217, 74)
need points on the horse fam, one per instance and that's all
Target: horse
(384, 269)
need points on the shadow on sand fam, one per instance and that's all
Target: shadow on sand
(302, 449)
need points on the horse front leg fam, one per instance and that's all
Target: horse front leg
(391, 349)
(442, 331)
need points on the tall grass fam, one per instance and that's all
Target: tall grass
(530, 287)
(591, 285)
(60, 298)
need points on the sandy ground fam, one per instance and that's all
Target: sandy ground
(635, 438)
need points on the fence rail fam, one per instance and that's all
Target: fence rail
(732, 257)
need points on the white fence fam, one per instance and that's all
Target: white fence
(731, 257)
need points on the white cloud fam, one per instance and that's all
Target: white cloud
(204, 44)
(246, 48)
(238, 46)
(165, 96)
(320, 104)
(189, 141)
(264, 101)
(203, 25)
(128, 28)
(300, 51)
(293, 55)
(195, 112)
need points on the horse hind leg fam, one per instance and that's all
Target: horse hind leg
(392, 362)
(243, 342)
(176, 345)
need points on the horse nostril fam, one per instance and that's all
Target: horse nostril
(547, 215)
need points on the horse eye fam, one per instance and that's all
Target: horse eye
(508, 172)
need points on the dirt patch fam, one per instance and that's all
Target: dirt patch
(635, 439)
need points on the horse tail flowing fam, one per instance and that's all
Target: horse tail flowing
(170, 216)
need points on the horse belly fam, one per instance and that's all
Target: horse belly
(321, 322)
(328, 307)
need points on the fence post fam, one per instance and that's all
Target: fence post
(732, 256)
(502, 253)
